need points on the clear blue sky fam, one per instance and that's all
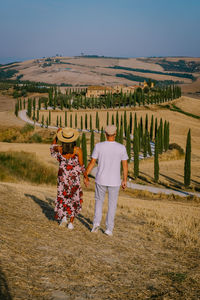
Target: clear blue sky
(130, 28)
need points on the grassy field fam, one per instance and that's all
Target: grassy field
(153, 254)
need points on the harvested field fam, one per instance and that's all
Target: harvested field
(154, 252)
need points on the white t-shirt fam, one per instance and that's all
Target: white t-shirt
(109, 155)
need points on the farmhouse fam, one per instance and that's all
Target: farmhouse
(97, 91)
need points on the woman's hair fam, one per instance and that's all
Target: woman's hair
(68, 148)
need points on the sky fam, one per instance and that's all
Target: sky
(120, 28)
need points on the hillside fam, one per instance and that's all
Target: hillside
(153, 254)
(84, 71)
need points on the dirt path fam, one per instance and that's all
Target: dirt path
(142, 260)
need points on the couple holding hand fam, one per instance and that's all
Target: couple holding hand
(109, 154)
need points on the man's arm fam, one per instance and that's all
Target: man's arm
(125, 173)
(88, 170)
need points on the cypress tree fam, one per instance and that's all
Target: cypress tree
(156, 162)
(156, 128)
(65, 119)
(47, 121)
(71, 120)
(146, 122)
(20, 103)
(60, 122)
(121, 135)
(81, 122)
(130, 122)
(33, 115)
(16, 108)
(149, 145)
(57, 122)
(97, 120)
(136, 152)
(76, 120)
(90, 122)
(117, 118)
(151, 129)
(187, 164)
(113, 122)
(167, 135)
(86, 121)
(128, 143)
(125, 123)
(102, 136)
(135, 122)
(38, 115)
(49, 118)
(24, 104)
(42, 120)
(161, 136)
(84, 149)
(107, 121)
(91, 142)
(117, 134)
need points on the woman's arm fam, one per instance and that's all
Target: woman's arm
(79, 152)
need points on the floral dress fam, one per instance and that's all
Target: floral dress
(69, 192)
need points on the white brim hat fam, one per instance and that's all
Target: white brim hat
(111, 129)
(67, 135)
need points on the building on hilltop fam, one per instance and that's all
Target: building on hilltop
(97, 91)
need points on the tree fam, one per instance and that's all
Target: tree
(102, 136)
(38, 115)
(60, 122)
(91, 142)
(16, 108)
(113, 122)
(187, 164)
(146, 122)
(71, 120)
(76, 120)
(86, 121)
(65, 119)
(49, 121)
(151, 129)
(107, 120)
(84, 149)
(128, 143)
(90, 122)
(121, 138)
(97, 120)
(136, 152)
(81, 122)
(42, 121)
(130, 122)
(156, 162)
(57, 122)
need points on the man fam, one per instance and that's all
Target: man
(110, 154)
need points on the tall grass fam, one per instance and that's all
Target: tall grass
(25, 166)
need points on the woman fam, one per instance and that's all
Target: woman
(69, 193)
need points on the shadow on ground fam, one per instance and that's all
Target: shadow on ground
(48, 211)
(4, 289)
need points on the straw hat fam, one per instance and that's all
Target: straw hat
(67, 135)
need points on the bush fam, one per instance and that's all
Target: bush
(35, 138)
(177, 147)
(27, 128)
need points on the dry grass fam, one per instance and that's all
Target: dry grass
(153, 254)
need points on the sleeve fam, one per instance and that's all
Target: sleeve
(53, 151)
(124, 155)
(95, 153)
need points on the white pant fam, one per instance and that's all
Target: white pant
(100, 191)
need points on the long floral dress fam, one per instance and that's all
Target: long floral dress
(69, 192)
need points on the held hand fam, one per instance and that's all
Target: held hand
(124, 184)
(86, 181)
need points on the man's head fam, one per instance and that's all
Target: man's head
(110, 131)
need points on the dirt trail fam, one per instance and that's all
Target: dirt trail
(143, 260)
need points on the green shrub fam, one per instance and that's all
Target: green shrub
(35, 138)
(27, 128)
(177, 147)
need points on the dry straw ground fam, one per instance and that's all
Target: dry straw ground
(153, 254)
